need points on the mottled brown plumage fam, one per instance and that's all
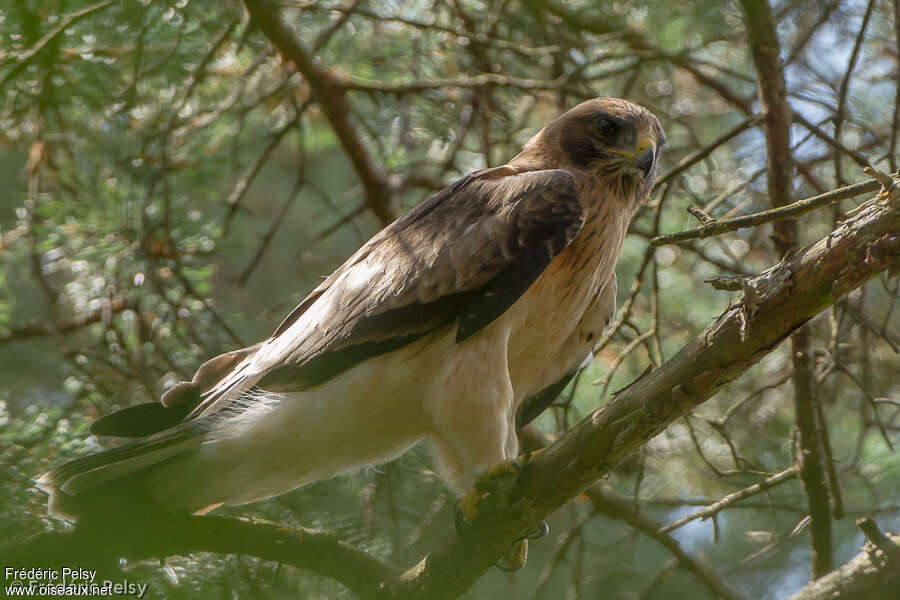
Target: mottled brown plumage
(485, 296)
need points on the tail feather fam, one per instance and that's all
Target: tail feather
(83, 475)
(124, 476)
(100, 475)
(57, 478)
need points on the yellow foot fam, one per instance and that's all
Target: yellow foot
(515, 558)
(467, 509)
(491, 489)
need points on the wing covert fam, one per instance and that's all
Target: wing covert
(466, 254)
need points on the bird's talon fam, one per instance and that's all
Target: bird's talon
(460, 522)
(514, 558)
(495, 476)
(467, 510)
(510, 467)
(488, 491)
(543, 530)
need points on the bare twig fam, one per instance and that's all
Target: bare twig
(480, 80)
(689, 161)
(801, 207)
(845, 88)
(608, 503)
(727, 501)
(275, 226)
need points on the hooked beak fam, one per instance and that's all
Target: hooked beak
(643, 155)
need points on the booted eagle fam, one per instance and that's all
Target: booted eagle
(477, 305)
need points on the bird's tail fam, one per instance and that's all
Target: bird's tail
(115, 479)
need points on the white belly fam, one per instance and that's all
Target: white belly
(370, 414)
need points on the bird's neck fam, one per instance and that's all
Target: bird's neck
(533, 162)
(536, 154)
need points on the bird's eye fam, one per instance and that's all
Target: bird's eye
(607, 128)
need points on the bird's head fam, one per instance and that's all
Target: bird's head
(607, 138)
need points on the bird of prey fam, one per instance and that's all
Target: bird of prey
(478, 304)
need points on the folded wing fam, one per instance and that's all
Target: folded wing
(463, 256)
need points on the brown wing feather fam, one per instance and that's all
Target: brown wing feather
(464, 255)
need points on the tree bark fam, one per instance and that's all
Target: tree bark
(873, 574)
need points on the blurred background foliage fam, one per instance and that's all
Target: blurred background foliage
(171, 188)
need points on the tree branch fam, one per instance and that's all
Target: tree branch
(782, 299)
(23, 59)
(766, 50)
(692, 159)
(308, 549)
(328, 90)
(770, 76)
(608, 503)
(480, 80)
(719, 505)
(873, 573)
(579, 20)
(800, 207)
(42, 328)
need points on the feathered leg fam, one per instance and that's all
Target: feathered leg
(470, 406)
(472, 412)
